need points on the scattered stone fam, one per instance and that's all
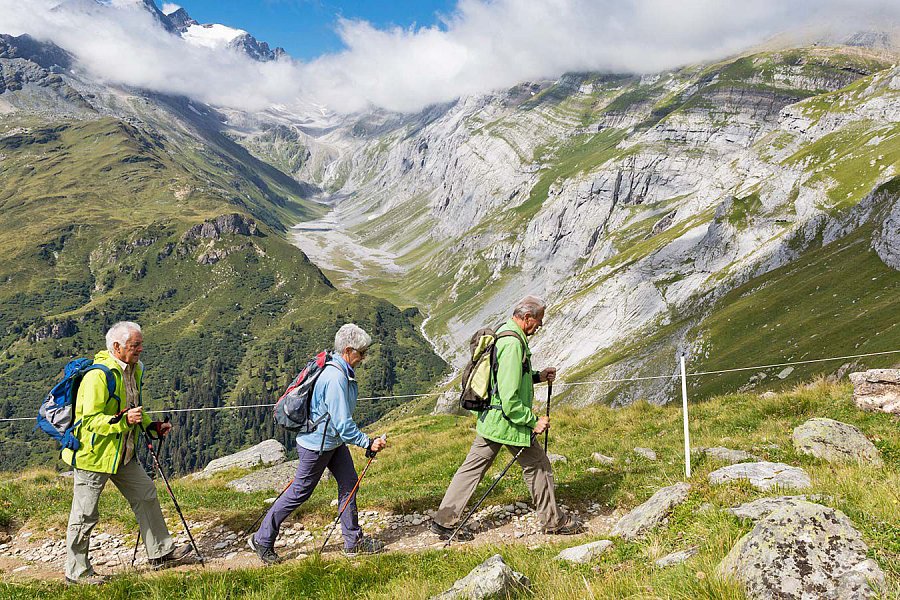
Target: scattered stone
(584, 553)
(785, 373)
(803, 551)
(603, 459)
(272, 478)
(650, 513)
(595, 470)
(555, 458)
(768, 395)
(676, 557)
(268, 452)
(704, 508)
(763, 475)
(493, 577)
(877, 390)
(834, 441)
(647, 453)
(726, 454)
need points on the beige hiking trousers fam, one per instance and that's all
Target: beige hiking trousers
(536, 470)
(140, 492)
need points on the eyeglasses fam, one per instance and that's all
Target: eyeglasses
(362, 353)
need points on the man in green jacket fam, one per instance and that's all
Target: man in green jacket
(511, 426)
(107, 436)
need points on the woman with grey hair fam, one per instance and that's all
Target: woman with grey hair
(334, 397)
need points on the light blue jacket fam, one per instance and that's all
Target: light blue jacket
(335, 392)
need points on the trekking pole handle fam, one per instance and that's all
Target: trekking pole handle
(371, 453)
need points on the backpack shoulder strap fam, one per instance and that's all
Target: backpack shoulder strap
(110, 378)
(509, 333)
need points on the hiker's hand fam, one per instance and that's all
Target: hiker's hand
(162, 428)
(543, 425)
(378, 444)
(548, 374)
(134, 415)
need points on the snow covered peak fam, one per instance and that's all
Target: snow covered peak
(211, 35)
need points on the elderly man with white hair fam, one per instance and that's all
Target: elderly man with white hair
(107, 426)
(334, 396)
(510, 422)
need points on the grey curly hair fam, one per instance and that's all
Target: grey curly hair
(353, 336)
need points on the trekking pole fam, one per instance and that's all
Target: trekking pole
(485, 495)
(172, 495)
(547, 431)
(349, 498)
(137, 542)
(260, 518)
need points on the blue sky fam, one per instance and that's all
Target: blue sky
(306, 28)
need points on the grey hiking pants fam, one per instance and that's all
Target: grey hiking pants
(535, 468)
(140, 492)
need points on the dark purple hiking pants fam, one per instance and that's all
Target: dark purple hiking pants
(309, 471)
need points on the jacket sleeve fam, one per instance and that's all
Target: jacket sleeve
(509, 378)
(92, 397)
(341, 419)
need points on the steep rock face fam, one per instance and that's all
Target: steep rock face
(675, 192)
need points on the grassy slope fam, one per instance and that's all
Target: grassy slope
(424, 452)
(93, 215)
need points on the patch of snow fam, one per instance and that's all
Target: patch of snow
(212, 35)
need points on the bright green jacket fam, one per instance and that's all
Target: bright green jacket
(102, 442)
(515, 393)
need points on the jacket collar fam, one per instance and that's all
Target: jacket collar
(345, 366)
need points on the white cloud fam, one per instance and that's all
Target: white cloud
(169, 7)
(483, 45)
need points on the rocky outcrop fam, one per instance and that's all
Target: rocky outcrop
(57, 330)
(268, 452)
(584, 553)
(877, 390)
(886, 242)
(492, 578)
(835, 442)
(214, 229)
(803, 551)
(763, 475)
(649, 514)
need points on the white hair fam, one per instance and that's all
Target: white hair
(352, 336)
(529, 306)
(120, 332)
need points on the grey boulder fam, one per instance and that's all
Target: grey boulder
(491, 578)
(649, 514)
(271, 479)
(584, 553)
(834, 441)
(762, 508)
(877, 390)
(763, 475)
(803, 551)
(602, 459)
(268, 452)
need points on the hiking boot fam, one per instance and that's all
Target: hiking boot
(365, 545)
(92, 579)
(178, 556)
(463, 535)
(265, 553)
(571, 526)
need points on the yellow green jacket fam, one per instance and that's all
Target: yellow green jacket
(102, 442)
(515, 393)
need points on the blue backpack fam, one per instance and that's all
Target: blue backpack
(58, 408)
